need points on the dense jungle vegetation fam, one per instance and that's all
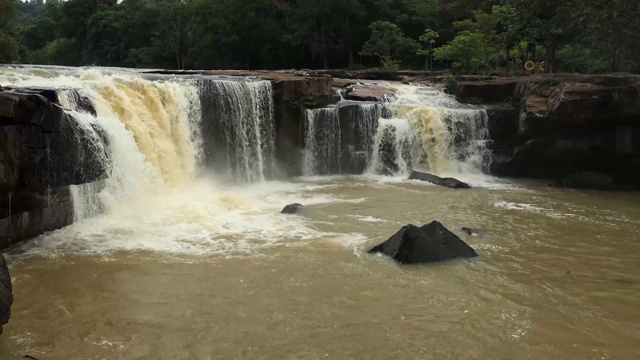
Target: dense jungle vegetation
(465, 36)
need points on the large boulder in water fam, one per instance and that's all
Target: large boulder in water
(292, 208)
(429, 243)
(6, 293)
(437, 180)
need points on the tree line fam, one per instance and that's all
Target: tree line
(464, 36)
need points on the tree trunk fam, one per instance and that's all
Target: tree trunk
(507, 64)
(351, 64)
(324, 46)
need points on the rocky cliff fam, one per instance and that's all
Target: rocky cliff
(553, 126)
(43, 151)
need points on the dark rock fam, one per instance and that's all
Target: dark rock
(292, 209)
(43, 150)
(446, 182)
(587, 180)
(566, 124)
(429, 243)
(6, 293)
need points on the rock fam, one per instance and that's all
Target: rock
(43, 151)
(556, 125)
(292, 209)
(370, 92)
(6, 293)
(489, 91)
(587, 180)
(429, 243)
(471, 232)
(446, 182)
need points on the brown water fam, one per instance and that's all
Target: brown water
(558, 278)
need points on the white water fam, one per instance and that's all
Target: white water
(240, 123)
(392, 148)
(154, 199)
(323, 149)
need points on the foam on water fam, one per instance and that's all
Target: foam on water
(202, 219)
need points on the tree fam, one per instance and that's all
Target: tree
(429, 38)
(388, 43)
(9, 45)
(463, 51)
(327, 27)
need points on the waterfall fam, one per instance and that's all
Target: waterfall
(447, 137)
(359, 123)
(323, 150)
(392, 148)
(152, 130)
(423, 128)
(239, 128)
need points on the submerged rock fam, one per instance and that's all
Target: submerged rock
(292, 209)
(470, 231)
(437, 180)
(587, 180)
(6, 293)
(429, 243)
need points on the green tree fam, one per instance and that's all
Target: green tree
(388, 43)
(428, 38)
(9, 45)
(463, 51)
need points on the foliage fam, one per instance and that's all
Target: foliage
(449, 80)
(470, 36)
(388, 43)
(9, 46)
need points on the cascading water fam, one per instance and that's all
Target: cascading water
(447, 137)
(392, 147)
(239, 128)
(163, 133)
(423, 128)
(323, 150)
(359, 123)
(151, 130)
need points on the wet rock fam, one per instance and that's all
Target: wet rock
(429, 243)
(587, 180)
(565, 124)
(6, 293)
(43, 150)
(292, 209)
(436, 180)
(370, 92)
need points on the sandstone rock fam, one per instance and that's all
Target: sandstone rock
(489, 91)
(567, 124)
(436, 180)
(429, 243)
(370, 92)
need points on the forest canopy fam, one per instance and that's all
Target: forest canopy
(464, 36)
